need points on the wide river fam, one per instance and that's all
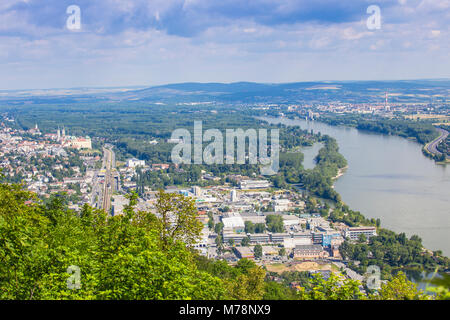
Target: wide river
(389, 178)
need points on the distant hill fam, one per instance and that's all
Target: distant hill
(405, 91)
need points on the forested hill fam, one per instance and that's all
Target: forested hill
(50, 252)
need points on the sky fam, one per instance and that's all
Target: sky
(152, 42)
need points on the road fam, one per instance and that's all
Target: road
(431, 147)
(109, 165)
(103, 182)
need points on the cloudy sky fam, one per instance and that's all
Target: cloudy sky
(150, 42)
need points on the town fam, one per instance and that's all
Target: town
(282, 230)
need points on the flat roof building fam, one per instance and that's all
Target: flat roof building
(354, 232)
(313, 251)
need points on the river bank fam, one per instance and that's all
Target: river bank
(430, 149)
(340, 173)
(389, 178)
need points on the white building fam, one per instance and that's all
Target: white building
(290, 243)
(254, 184)
(117, 204)
(355, 232)
(234, 196)
(133, 163)
(289, 220)
(197, 191)
(233, 223)
(281, 204)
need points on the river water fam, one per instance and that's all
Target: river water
(389, 178)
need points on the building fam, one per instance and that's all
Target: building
(133, 163)
(235, 223)
(279, 237)
(174, 140)
(254, 184)
(353, 233)
(244, 252)
(270, 250)
(118, 203)
(197, 191)
(291, 243)
(290, 220)
(313, 251)
(236, 237)
(81, 143)
(160, 166)
(35, 130)
(281, 204)
(234, 196)
(259, 237)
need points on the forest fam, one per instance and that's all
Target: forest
(49, 252)
(421, 131)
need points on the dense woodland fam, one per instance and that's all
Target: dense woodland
(137, 256)
(421, 131)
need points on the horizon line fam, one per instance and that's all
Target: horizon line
(218, 82)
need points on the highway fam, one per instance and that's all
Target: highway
(108, 185)
(431, 147)
(103, 182)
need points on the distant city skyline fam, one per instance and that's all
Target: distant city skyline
(146, 43)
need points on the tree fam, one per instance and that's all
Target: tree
(219, 243)
(40, 241)
(249, 285)
(260, 228)
(178, 219)
(275, 223)
(362, 238)
(257, 251)
(218, 228)
(231, 242)
(282, 252)
(210, 221)
(336, 287)
(278, 291)
(249, 227)
(399, 288)
(245, 242)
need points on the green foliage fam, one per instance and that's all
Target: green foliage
(441, 286)
(121, 257)
(140, 256)
(244, 281)
(400, 288)
(388, 250)
(177, 219)
(319, 180)
(423, 132)
(334, 288)
(274, 223)
(245, 242)
(258, 251)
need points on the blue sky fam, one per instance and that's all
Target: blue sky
(150, 42)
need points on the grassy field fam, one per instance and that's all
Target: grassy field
(303, 266)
